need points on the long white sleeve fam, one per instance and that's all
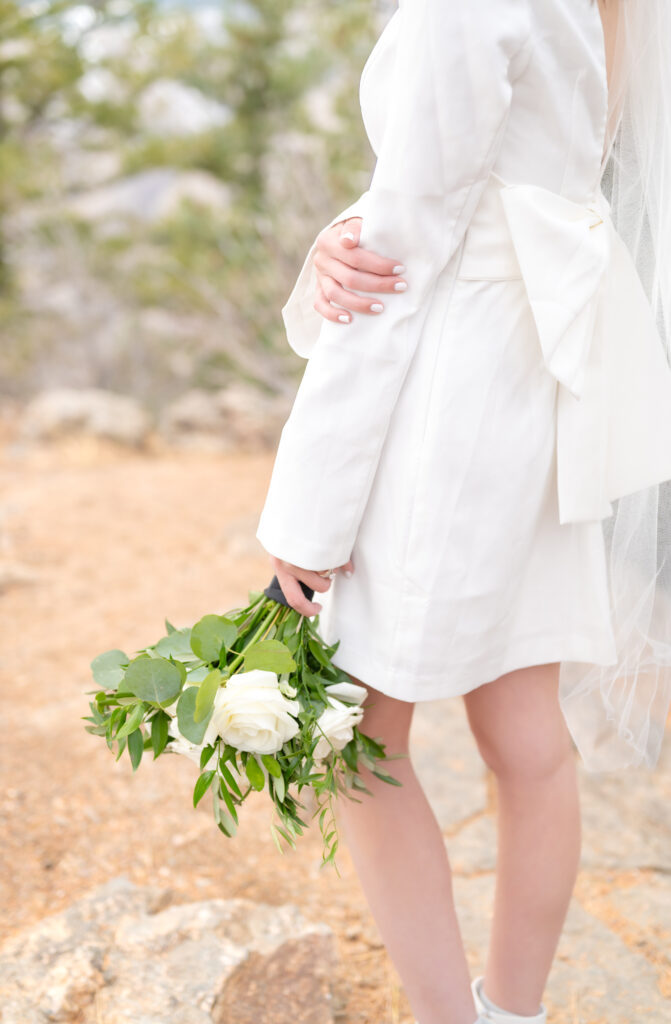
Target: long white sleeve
(446, 107)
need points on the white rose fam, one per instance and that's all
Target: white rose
(335, 726)
(180, 745)
(349, 692)
(251, 713)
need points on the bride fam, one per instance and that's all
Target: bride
(470, 474)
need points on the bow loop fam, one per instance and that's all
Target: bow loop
(563, 249)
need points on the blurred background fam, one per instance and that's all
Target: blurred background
(164, 167)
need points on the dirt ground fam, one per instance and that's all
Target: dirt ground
(97, 546)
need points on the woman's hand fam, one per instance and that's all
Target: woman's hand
(340, 264)
(288, 576)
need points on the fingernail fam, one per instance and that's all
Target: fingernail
(399, 269)
(348, 573)
(400, 286)
(376, 307)
(343, 317)
(348, 234)
(319, 608)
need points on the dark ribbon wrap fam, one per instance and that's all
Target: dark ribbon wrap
(274, 591)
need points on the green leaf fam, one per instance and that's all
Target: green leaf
(279, 788)
(227, 825)
(177, 644)
(349, 752)
(319, 653)
(272, 764)
(132, 722)
(159, 732)
(122, 747)
(210, 634)
(255, 774)
(226, 796)
(135, 747)
(387, 778)
(205, 755)
(154, 679)
(271, 655)
(186, 706)
(107, 668)
(203, 783)
(229, 777)
(207, 691)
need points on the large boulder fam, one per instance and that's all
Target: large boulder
(91, 411)
(235, 417)
(124, 955)
(150, 196)
(169, 107)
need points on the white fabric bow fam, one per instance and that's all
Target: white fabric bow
(600, 341)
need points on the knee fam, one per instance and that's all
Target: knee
(524, 751)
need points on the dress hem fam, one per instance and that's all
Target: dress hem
(546, 649)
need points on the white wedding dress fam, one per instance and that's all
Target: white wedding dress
(464, 446)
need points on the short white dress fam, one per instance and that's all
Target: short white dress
(464, 446)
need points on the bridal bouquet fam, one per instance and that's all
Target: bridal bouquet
(254, 699)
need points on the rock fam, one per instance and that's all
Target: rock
(169, 107)
(150, 196)
(290, 986)
(595, 976)
(237, 416)
(121, 955)
(93, 411)
(626, 817)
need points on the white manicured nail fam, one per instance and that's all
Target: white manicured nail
(400, 286)
(343, 317)
(399, 269)
(348, 573)
(348, 234)
(376, 307)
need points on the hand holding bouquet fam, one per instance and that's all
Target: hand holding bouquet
(252, 697)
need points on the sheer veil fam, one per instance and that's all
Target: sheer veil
(617, 713)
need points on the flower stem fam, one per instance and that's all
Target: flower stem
(267, 621)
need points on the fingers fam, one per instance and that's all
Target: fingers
(356, 279)
(295, 596)
(347, 568)
(336, 243)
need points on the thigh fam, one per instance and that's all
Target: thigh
(517, 722)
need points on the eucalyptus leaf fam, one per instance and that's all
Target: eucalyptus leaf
(177, 643)
(108, 668)
(270, 655)
(210, 634)
(207, 691)
(186, 706)
(154, 679)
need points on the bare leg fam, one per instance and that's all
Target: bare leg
(399, 854)
(522, 735)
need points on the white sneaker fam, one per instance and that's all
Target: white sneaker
(493, 1014)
